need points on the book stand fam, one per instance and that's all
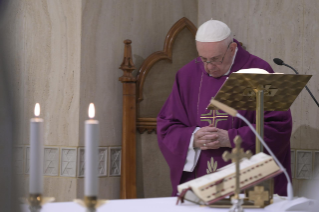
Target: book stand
(259, 92)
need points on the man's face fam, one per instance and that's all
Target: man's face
(219, 54)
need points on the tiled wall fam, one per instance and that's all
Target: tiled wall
(68, 161)
(305, 164)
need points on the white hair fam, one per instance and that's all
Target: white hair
(228, 40)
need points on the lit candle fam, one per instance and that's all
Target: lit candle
(36, 153)
(91, 154)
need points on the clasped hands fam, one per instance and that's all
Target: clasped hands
(211, 138)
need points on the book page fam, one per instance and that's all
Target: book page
(254, 71)
(221, 182)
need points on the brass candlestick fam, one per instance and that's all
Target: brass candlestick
(91, 203)
(36, 201)
(236, 155)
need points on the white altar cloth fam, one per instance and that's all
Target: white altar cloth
(166, 204)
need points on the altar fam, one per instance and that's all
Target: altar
(142, 205)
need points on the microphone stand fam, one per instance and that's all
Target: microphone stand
(306, 85)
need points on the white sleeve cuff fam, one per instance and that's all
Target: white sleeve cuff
(192, 154)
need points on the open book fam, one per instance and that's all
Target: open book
(254, 71)
(216, 186)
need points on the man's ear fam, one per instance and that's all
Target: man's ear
(233, 46)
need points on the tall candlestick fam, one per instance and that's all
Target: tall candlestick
(36, 153)
(91, 154)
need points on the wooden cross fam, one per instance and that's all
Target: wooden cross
(236, 155)
(259, 196)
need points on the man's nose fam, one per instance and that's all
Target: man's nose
(210, 65)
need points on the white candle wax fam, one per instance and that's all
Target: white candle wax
(36, 156)
(91, 182)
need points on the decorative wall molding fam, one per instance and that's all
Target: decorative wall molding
(292, 162)
(18, 156)
(51, 161)
(27, 160)
(68, 162)
(115, 161)
(303, 164)
(316, 165)
(102, 162)
(81, 162)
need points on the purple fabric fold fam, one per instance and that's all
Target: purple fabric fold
(185, 109)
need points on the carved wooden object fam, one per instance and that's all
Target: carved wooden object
(150, 124)
(128, 168)
(130, 122)
(146, 124)
(166, 54)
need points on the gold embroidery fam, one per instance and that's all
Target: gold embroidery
(211, 165)
(217, 117)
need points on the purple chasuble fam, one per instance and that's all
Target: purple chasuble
(185, 109)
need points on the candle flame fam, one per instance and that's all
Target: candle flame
(91, 111)
(37, 109)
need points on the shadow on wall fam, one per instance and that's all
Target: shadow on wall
(8, 182)
(153, 179)
(307, 137)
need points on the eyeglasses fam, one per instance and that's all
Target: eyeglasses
(215, 61)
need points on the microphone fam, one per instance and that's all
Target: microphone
(233, 112)
(280, 62)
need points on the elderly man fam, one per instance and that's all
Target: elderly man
(192, 138)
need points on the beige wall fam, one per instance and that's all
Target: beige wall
(105, 25)
(66, 54)
(286, 29)
(43, 46)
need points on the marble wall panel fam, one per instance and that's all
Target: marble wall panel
(103, 153)
(292, 162)
(54, 68)
(18, 155)
(105, 25)
(66, 54)
(27, 160)
(103, 162)
(310, 115)
(151, 167)
(295, 185)
(316, 165)
(304, 164)
(80, 162)
(115, 161)
(44, 42)
(308, 189)
(68, 162)
(109, 188)
(51, 161)
(63, 189)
